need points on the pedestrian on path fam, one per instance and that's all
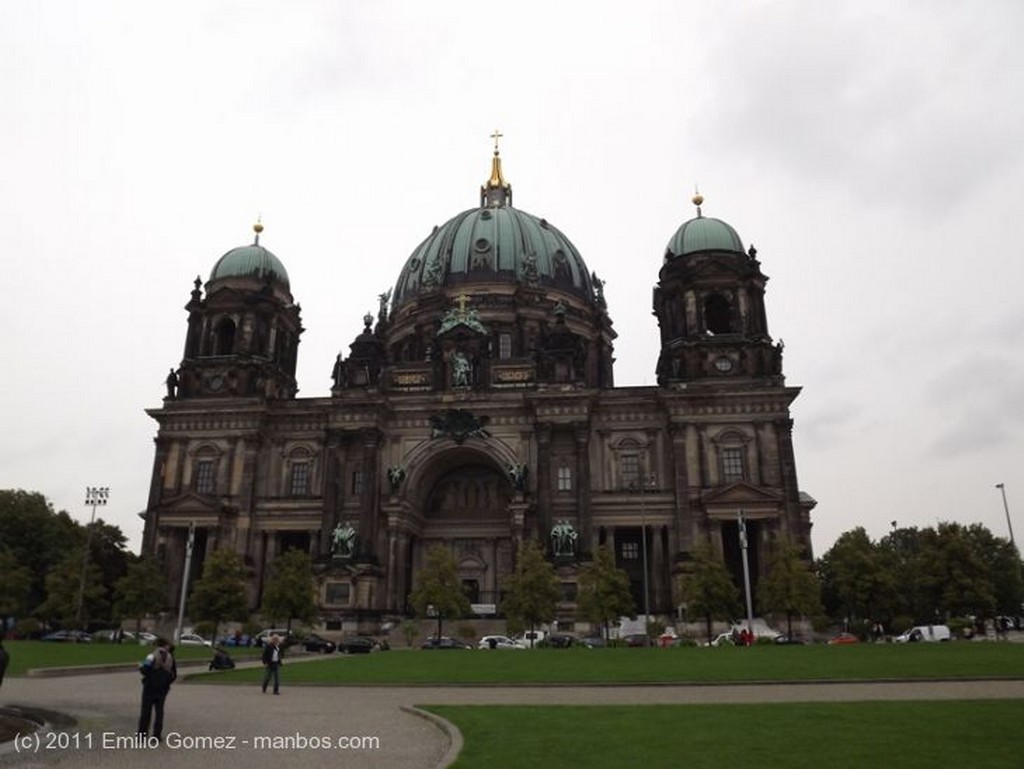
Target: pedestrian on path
(273, 655)
(159, 671)
(5, 657)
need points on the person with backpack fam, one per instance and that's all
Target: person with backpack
(159, 671)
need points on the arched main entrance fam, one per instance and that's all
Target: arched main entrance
(467, 510)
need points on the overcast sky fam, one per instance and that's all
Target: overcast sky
(872, 151)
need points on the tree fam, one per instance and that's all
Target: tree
(954, 574)
(707, 589)
(63, 587)
(141, 591)
(289, 591)
(603, 594)
(789, 586)
(219, 595)
(532, 590)
(15, 586)
(856, 579)
(37, 536)
(438, 588)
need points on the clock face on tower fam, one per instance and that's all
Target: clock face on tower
(723, 364)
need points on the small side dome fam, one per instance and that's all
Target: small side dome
(704, 233)
(253, 261)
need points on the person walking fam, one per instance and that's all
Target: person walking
(273, 655)
(159, 671)
(5, 657)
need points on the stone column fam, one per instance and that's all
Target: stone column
(582, 435)
(544, 478)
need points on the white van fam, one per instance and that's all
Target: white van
(925, 633)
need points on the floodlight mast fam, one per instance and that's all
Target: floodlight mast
(95, 496)
(741, 516)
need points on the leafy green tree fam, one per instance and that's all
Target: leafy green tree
(789, 585)
(439, 589)
(141, 591)
(532, 590)
(603, 593)
(289, 591)
(1002, 561)
(219, 595)
(63, 587)
(37, 536)
(15, 586)
(707, 588)
(858, 582)
(954, 574)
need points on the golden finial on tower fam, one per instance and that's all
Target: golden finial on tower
(496, 192)
(258, 228)
(697, 200)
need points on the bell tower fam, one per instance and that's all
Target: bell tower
(709, 302)
(243, 335)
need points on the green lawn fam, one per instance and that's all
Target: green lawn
(26, 655)
(730, 664)
(833, 735)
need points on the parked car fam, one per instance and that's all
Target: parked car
(264, 635)
(496, 642)
(145, 638)
(68, 636)
(924, 633)
(843, 639)
(636, 640)
(722, 639)
(317, 643)
(193, 639)
(560, 640)
(785, 640)
(362, 644)
(593, 642)
(530, 639)
(444, 642)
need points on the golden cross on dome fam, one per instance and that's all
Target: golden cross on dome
(496, 135)
(462, 300)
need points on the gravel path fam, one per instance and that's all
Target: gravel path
(302, 727)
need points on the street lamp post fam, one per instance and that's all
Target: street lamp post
(742, 520)
(1006, 508)
(643, 550)
(1009, 525)
(184, 580)
(95, 496)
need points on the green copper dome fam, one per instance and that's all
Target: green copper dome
(494, 243)
(250, 261)
(704, 234)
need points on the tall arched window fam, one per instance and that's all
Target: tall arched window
(225, 337)
(717, 314)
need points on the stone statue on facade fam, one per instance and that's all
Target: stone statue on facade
(382, 312)
(460, 369)
(396, 474)
(172, 384)
(563, 539)
(517, 476)
(343, 541)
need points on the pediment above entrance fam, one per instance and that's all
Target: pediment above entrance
(190, 502)
(754, 501)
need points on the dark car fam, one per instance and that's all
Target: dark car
(593, 642)
(356, 644)
(444, 643)
(785, 640)
(638, 639)
(559, 640)
(316, 643)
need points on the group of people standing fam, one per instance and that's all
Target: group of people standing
(160, 670)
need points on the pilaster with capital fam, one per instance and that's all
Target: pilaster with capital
(582, 435)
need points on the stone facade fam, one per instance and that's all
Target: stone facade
(478, 410)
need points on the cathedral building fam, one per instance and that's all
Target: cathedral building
(478, 410)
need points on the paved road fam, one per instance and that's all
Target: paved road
(105, 706)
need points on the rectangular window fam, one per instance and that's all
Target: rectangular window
(504, 346)
(629, 471)
(732, 464)
(630, 551)
(300, 479)
(357, 483)
(564, 479)
(337, 593)
(204, 476)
